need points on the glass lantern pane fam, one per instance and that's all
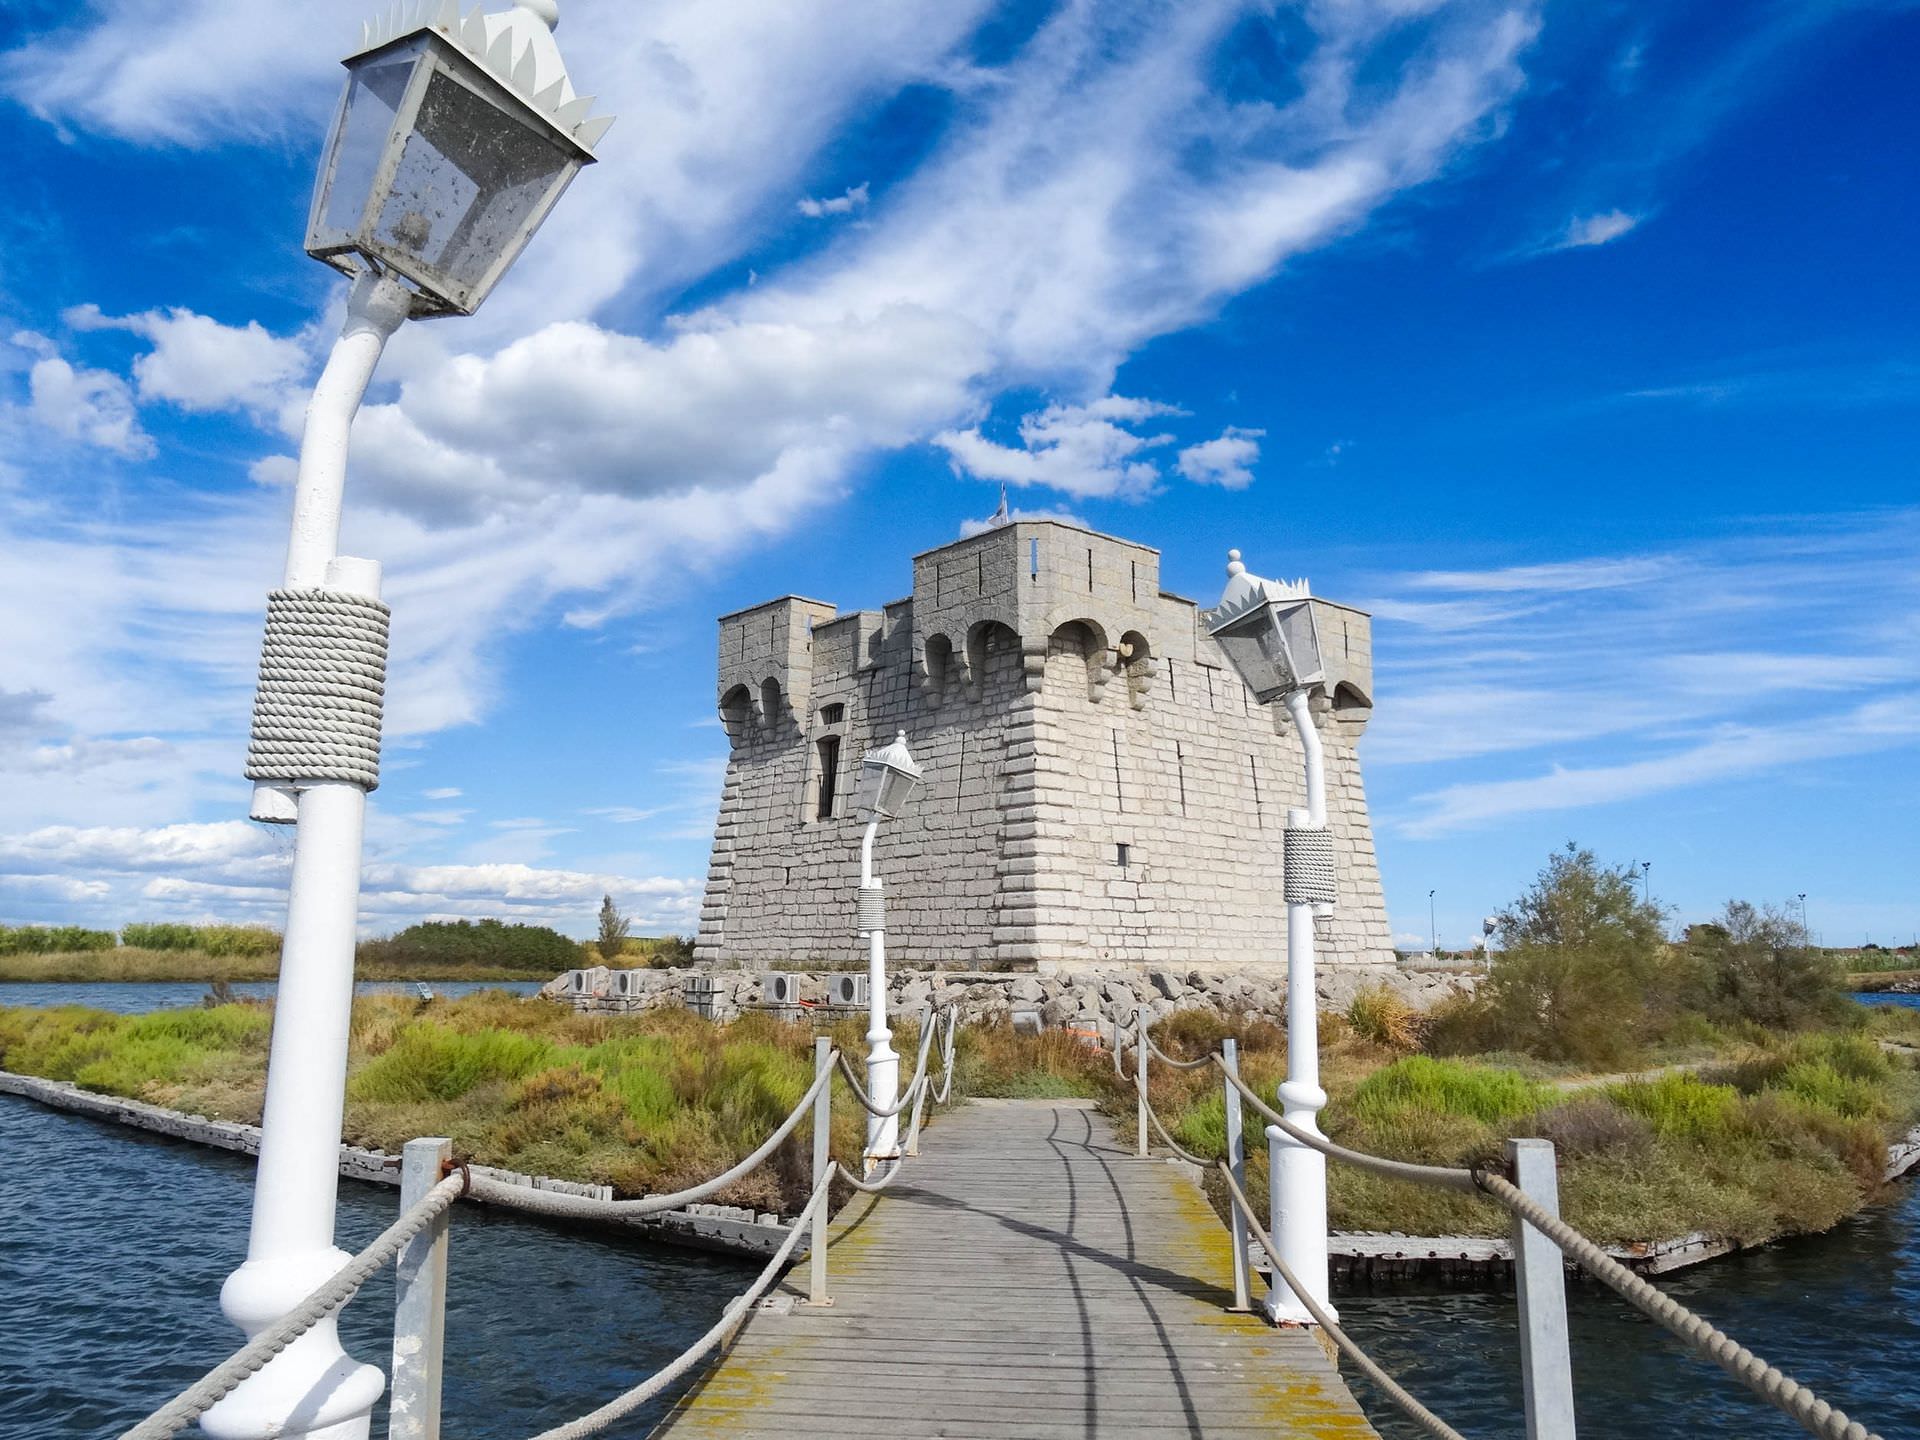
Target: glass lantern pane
(469, 184)
(1303, 643)
(374, 92)
(1254, 648)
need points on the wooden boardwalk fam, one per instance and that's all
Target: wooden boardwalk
(1026, 1276)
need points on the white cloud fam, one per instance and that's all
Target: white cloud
(1226, 461)
(200, 364)
(91, 406)
(855, 198)
(1081, 450)
(237, 871)
(443, 792)
(1016, 513)
(534, 461)
(1590, 230)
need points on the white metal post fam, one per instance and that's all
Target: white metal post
(1237, 1163)
(312, 1388)
(1540, 1283)
(419, 1300)
(1140, 1077)
(1298, 1172)
(822, 1159)
(883, 1065)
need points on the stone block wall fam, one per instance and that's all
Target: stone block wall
(1101, 787)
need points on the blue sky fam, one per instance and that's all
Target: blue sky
(1575, 341)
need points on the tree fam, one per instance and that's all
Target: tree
(1756, 965)
(1580, 973)
(613, 929)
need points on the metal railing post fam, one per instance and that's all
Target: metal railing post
(1140, 1074)
(822, 1159)
(1540, 1282)
(419, 1300)
(1237, 1163)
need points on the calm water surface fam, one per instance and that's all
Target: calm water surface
(139, 996)
(113, 1246)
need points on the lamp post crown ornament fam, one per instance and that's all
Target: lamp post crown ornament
(515, 45)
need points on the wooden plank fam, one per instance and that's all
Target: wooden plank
(1026, 1276)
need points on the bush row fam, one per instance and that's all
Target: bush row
(211, 939)
(52, 939)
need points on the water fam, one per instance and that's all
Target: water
(113, 1246)
(136, 997)
(1839, 1312)
(1881, 997)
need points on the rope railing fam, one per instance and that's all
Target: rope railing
(221, 1381)
(552, 1202)
(1772, 1385)
(193, 1402)
(1816, 1416)
(628, 1401)
(1389, 1387)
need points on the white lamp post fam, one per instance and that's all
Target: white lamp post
(1268, 632)
(889, 779)
(452, 141)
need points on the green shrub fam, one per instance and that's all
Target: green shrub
(1446, 1087)
(480, 943)
(1681, 1106)
(158, 936)
(432, 1062)
(53, 940)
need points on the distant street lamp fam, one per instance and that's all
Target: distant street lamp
(1646, 884)
(1268, 632)
(889, 779)
(1433, 925)
(452, 141)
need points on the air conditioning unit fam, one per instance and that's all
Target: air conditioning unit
(779, 987)
(577, 982)
(847, 989)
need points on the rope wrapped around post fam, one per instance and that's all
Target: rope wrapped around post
(1307, 875)
(317, 705)
(1389, 1387)
(193, 1402)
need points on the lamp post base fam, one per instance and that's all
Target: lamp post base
(313, 1389)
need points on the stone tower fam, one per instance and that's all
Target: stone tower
(1100, 786)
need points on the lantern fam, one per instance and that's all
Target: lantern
(1268, 632)
(888, 779)
(452, 141)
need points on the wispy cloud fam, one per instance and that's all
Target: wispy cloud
(1729, 752)
(1576, 683)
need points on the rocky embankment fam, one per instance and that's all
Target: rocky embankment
(1085, 995)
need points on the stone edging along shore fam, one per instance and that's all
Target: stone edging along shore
(727, 1229)
(733, 1230)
